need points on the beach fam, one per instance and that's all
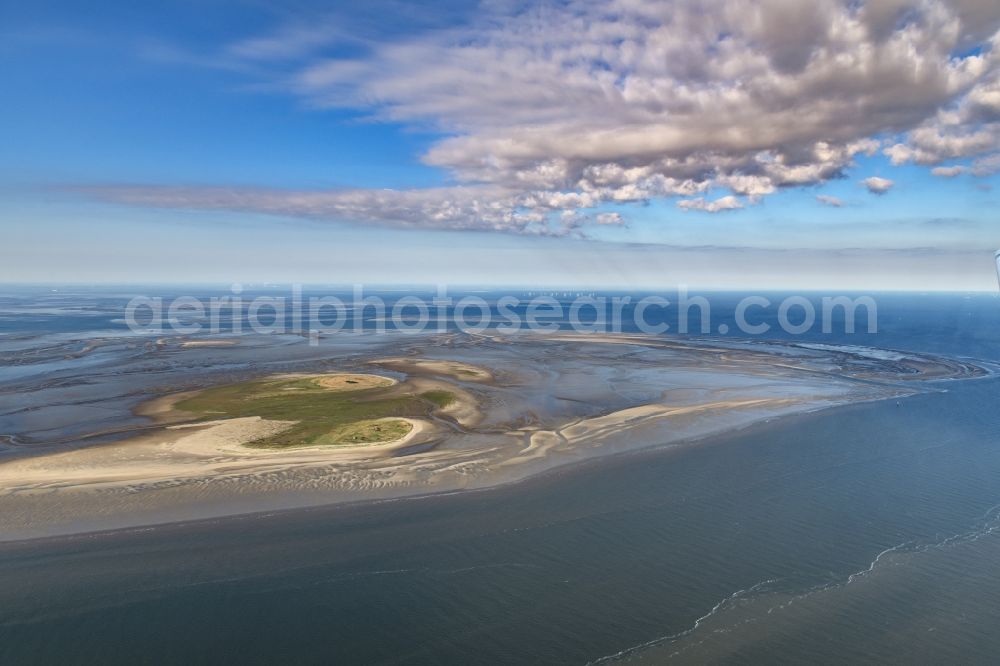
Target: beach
(503, 416)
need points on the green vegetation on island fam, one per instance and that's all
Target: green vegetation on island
(439, 398)
(323, 415)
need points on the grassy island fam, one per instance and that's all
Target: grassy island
(326, 409)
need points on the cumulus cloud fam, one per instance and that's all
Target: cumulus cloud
(948, 171)
(609, 219)
(567, 106)
(877, 185)
(982, 167)
(717, 206)
(829, 200)
(986, 166)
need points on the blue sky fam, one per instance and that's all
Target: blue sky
(510, 143)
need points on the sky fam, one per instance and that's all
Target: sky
(847, 145)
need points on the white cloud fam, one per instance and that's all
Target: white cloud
(877, 185)
(717, 206)
(565, 106)
(609, 219)
(829, 200)
(986, 166)
(948, 171)
(456, 208)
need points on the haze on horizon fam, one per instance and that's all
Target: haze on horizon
(721, 143)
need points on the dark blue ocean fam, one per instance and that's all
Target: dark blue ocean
(863, 534)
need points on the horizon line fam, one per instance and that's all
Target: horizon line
(391, 286)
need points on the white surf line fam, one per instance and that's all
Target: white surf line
(963, 537)
(871, 567)
(697, 623)
(737, 595)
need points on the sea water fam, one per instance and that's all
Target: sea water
(867, 533)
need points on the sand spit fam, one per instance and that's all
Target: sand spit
(162, 410)
(433, 367)
(529, 406)
(191, 344)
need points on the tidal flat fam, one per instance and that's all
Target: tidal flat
(166, 431)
